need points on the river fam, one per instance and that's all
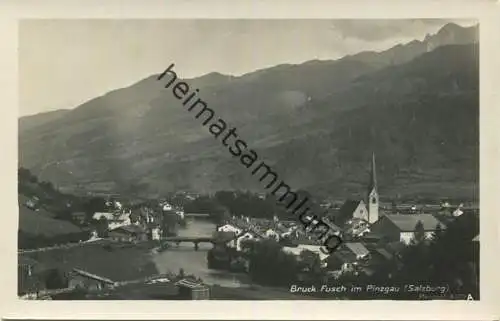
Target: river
(195, 262)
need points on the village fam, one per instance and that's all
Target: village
(373, 233)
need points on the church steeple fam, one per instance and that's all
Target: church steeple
(373, 176)
(373, 200)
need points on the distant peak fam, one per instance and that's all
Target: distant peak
(450, 27)
(214, 74)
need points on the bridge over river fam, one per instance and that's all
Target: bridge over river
(196, 240)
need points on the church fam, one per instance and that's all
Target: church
(362, 210)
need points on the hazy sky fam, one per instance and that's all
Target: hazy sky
(63, 63)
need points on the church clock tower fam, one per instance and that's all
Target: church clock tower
(373, 200)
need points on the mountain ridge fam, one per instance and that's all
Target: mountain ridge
(141, 135)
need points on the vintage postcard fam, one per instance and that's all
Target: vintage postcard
(326, 160)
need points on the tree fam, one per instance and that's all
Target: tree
(220, 214)
(438, 234)
(270, 265)
(101, 227)
(225, 198)
(310, 261)
(25, 175)
(419, 232)
(451, 258)
(394, 207)
(170, 223)
(55, 280)
(94, 205)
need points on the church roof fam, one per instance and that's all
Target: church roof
(349, 207)
(408, 222)
(346, 211)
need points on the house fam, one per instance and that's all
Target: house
(401, 227)
(79, 279)
(316, 249)
(114, 220)
(271, 233)
(103, 216)
(358, 249)
(155, 233)
(458, 211)
(79, 217)
(248, 235)
(128, 233)
(230, 228)
(348, 256)
(165, 206)
(192, 290)
(94, 236)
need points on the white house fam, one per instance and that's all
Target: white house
(229, 228)
(155, 233)
(118, 205)
(245, 236)
(458, 211)
(180, 213)
(313, 248)
(114, 219)
(166, 206)
(270, 233)
(107, 215)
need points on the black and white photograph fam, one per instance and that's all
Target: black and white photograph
(248, 159)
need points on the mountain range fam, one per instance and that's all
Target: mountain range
(416, 106)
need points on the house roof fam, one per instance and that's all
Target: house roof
(93, 276)
(394, 247)
(106, 215)
(132, 229)
(299, 249)
(346, 210)
(315, 249)
(357, 248)
(190, 284)
(230, 226)
(292, 250)
(349, 206)
(384, 253)
(408, 222)
(343, 255)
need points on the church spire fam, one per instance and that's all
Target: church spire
(373, 205)
(373, 176)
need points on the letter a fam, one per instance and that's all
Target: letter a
(469, 297)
